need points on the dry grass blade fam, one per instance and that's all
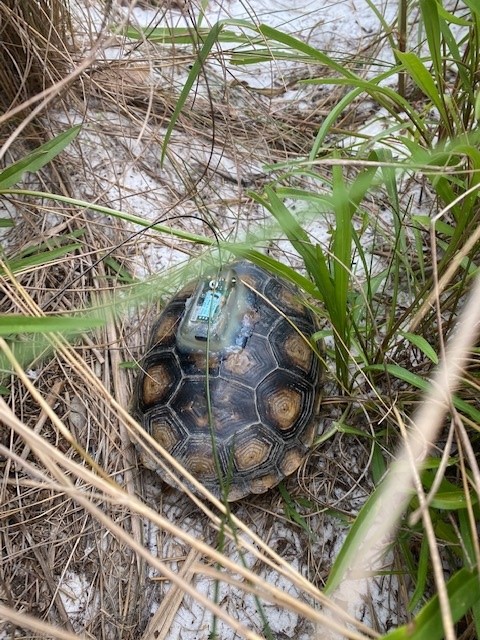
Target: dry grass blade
(159, 626)
(24, 620)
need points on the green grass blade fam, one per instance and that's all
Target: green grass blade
(13, 324)
(456, 55)
(38, 158)
(378, 466)
(422, 575)
(50, 244)
(354, 540)
(421, 383)
(423, 79)
(448, 496)
(331, 118)
(386, 97)
(452, 18)
(291, 511)
(342, 249)
(451, 500)
(83, 204)
(473, 6)
(313, 257)
(468, 543)
(16, 265)
(183, 35)
(421, 343)
(296, 234)
(311, 52)
(463, 592)
(290, 226)
(431, 22)
(272, 265)
(383, 94)
(468, 533)
(324, 282)
(195, 71)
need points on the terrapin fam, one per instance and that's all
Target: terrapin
(230, 384)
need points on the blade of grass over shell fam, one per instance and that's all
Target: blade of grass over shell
(317, 266)
(38, 158)
(315, 262)
(331, 276)
(270, 264)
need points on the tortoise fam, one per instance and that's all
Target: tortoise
(230, 384)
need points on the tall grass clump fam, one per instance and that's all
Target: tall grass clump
(34, 58)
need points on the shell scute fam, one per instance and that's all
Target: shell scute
(161, 376)
(251, 364)
(290, 344)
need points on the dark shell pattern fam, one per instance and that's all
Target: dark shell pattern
(263, 389)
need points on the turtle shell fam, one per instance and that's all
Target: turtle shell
(230, 384)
